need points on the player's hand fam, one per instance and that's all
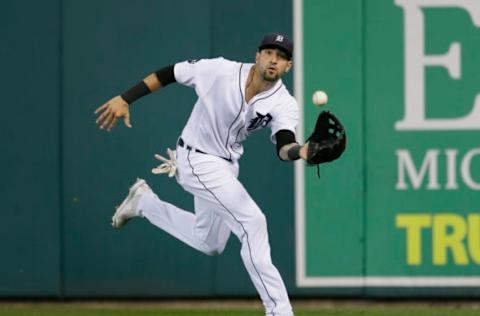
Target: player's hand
(111, 111)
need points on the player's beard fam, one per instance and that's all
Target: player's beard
(270, 78)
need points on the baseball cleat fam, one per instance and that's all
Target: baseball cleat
(128, 209)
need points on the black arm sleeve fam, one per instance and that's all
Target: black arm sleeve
(284, 137)
(166, 75)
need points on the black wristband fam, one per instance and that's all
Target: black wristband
(284, 137)
(294, 152)
(136, 92)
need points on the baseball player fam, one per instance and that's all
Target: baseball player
(234, 100)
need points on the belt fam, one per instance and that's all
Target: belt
(181, 143)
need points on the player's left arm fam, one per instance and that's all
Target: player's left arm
(326, 143)
(283, 124)
(288, 148)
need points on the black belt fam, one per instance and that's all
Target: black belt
(181, 143)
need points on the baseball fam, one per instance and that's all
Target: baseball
(319, 98)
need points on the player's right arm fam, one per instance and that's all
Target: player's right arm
(118, 107)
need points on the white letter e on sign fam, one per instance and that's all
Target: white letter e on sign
(416, 61)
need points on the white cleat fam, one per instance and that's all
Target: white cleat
(128, 209)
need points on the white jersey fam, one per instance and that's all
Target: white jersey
(221, 118)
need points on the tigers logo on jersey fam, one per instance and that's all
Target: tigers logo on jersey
(259, 122)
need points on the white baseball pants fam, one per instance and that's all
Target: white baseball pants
(222, 205)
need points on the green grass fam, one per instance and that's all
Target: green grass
(66, 310)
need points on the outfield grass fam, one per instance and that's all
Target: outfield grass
(66, 310)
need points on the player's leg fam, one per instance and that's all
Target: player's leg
(203, 230)
(249, 224)
(210, 229)
(216, 182)
(172, 219)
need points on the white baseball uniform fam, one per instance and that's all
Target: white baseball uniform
(207, 167)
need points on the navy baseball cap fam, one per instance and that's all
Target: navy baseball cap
(277, 40)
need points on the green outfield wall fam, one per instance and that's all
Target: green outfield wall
(398, 215)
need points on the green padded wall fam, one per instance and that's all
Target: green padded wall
(30, 236)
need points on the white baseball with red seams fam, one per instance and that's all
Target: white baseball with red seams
(221, 119)
(319, 98)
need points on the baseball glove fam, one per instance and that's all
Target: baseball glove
(328, 140)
